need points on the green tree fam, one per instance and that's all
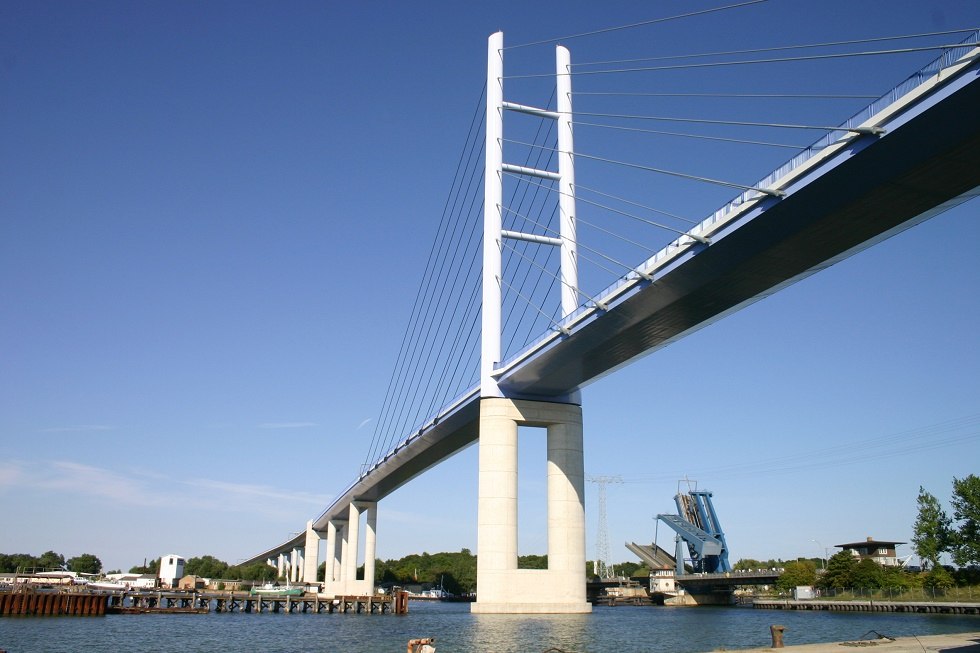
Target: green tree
(641, 572)
(86, 563)
(840, 571)
(14, 562)
(206, 566)
(966, 511)
(796, 573)
(626, 569)
(748, 564)
(867, 573)
(744, 564)
(257, 572)
(456, 571)
(532, 562)
(151, 567)
(897, 578)
(938, 578)
(51, 560)
(931, 531)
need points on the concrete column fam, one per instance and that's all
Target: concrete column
(502, 587)
(331, 572)
(311, 554)
(566, 509)
(497, 496)
(366, 586)
(344, 553)
(298, 564)
(353, 546)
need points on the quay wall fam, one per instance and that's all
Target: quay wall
(933, 607)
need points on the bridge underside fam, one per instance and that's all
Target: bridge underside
(874, 192)
(925, 163)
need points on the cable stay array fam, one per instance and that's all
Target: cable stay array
(638, 190)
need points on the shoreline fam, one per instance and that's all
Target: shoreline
(948, 643)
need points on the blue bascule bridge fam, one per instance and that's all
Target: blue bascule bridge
(699, 538)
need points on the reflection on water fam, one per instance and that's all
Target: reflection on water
(507, 633)
(621, 629)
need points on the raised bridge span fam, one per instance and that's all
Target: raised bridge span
(909, 156)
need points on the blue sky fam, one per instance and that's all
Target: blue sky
(213, 221)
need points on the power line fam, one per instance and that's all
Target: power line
(765, 96)
(729, 123)
(740, 141)
(653, 21)
(728, 53)
(746, 62)
(855, 451)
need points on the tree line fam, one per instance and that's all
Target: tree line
(210, 567)
(86, 563)
(455, 572)
(935, 533)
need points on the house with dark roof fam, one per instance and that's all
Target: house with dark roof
(881, 551)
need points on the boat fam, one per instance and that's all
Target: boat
(272, 589)
(120, 609)
(107, 586)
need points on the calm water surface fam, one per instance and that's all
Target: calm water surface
(625, 629)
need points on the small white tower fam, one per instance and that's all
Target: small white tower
(171, 570)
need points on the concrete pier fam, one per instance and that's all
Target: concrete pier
(503, 587)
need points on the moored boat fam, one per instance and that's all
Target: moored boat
(271, 589)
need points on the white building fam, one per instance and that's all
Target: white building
(171, 570)
(134, 581)
(663, 581)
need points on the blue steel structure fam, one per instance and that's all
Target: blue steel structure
(697, 526)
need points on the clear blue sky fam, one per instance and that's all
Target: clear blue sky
(213, 220)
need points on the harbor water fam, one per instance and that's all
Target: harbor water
(621, 629)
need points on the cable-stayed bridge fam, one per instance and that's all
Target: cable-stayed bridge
(907, 156)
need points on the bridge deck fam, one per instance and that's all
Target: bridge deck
(865, 189)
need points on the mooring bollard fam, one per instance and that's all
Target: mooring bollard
(421, 645)
(777, 636)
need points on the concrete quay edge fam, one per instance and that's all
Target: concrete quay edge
(947, 643)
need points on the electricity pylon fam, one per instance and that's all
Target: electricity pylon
(600, 566)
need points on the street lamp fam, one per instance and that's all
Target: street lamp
(823, 560)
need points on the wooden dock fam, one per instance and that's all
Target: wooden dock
(310, 603)
(33, 602)
(52, 603)
(930, 607)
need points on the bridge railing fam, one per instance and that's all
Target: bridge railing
(928, 72)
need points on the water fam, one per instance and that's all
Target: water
(621, 629)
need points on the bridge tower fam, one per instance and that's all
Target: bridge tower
(501, 586)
